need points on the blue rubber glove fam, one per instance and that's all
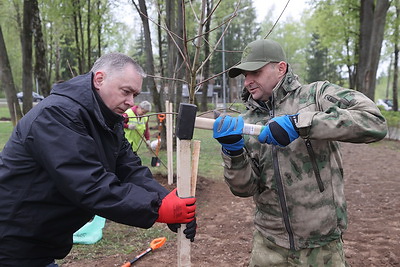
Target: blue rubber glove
(228, 131)
(280, 131)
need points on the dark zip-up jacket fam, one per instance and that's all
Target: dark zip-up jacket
(299, 189)
(67, 160)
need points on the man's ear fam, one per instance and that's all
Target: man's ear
(282, 67)
(98, 79)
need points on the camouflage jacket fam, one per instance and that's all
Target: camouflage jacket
(299, 189)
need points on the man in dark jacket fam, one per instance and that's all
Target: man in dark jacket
(68, 159)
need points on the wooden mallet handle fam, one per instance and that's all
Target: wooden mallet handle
(207, 124)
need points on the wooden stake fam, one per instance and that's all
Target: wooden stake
(195, 165)
(184, 190)
(170, 149)
(184, 133)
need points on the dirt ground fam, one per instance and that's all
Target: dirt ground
(225, 222)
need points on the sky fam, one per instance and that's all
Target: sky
(294, 8)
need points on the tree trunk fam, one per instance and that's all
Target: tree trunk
(50, 57)
(8, 83)
(27, 56)
(366, 24)
(89, 37)
(172, 51)
(99, 28)
(396, 57)
(378, 31)
(372, 25)
(82, 67)
(76, 7)
(180, 69)
(350, 67)
(142, 10)
(40, 52)
(160, 46)
(206, 72)
(57, 62)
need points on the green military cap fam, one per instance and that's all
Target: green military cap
(256, 55)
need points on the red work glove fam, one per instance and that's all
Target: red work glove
(174, 209)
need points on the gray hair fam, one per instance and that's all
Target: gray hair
(116, 61)
(145, 105)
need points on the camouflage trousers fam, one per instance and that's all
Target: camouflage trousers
(265, 253)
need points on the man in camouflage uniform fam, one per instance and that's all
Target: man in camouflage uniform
(297, 183)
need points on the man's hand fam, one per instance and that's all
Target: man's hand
(228, 132)
(280, 131)
(132, 126)
(190, 231)
(174, 209)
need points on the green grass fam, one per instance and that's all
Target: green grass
(119, 239)
(392, 118)
(4, 112)
(6, 128)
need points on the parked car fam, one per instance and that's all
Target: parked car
(35, 97)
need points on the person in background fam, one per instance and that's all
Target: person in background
(136, 125)
(293, 168)
(68, 160)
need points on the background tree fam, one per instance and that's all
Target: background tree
(7, 81)
(394, 37)
(161, 43)
(206, 51)
(319, 63)
(172, 55)
(294, 38)
(26, 40)
(372, 26)
(88, 34)
(142, 10)
(179, 42)
(336, 22)
(77, 6)
(316, 58)
(40, 52)
(238, 29)
(70, 35)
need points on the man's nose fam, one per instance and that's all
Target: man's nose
(247, 81)
(130, 101)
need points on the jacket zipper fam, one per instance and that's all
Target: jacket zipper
(315, 166)
(281, 192)
(282, 198)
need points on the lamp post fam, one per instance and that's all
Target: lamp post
(223, 56)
